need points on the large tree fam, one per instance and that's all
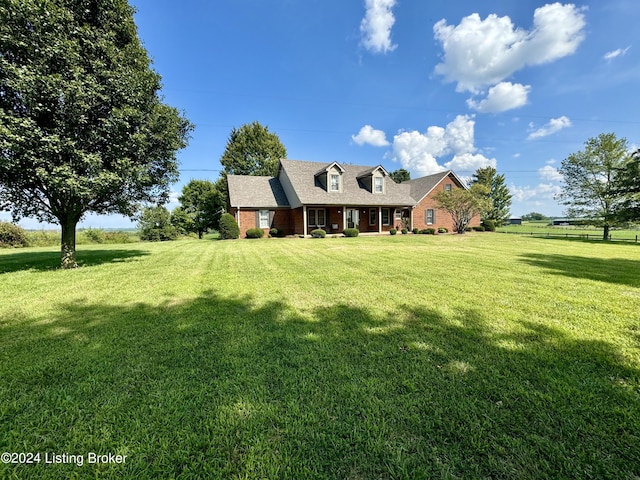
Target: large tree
(497, 193)
(591, 181)
(629, 187)
(203, 205)
(82, 126)
(252, 150)
(463, 204)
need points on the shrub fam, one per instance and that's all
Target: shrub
(442, 230)
(94, 235)
(415, 230)
(479, 228)
(393, 231)
(351, 232)
(318, 233)
(12, 235)
(43, 238)
(489, 225)
(255, 233)
(404, 231)
(228, 227)
(428, 231)
(273, 232)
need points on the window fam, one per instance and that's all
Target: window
(335, 183)
(385, 216)
(372, 216)
(430, 216)
(264, 218)
(398, 216)
(315, 216)
(378, 184)
(447, 187)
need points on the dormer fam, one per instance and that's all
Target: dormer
(331, 178)
(374, 180)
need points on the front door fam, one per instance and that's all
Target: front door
(353, 218)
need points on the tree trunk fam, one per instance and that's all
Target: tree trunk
(605, 235)
(68, 243)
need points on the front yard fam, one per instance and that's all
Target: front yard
(482, 355)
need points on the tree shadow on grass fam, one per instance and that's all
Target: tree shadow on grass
(614, 270)
(221, 387)
(42, 261)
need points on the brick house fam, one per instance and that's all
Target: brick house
(304, 196)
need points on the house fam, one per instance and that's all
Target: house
(304, 196)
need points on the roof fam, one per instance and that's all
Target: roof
(421, 187)
(254, 191)
(307, 187)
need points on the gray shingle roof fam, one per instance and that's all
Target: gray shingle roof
(252, 191)
(423, 185)
(309, 191)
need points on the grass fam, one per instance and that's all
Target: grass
(476, 356)
(542, 228)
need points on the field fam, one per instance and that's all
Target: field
(542, 228)
(407, 356)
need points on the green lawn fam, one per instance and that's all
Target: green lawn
(407, 356)
(543, 228)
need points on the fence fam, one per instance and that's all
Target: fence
(583, 236)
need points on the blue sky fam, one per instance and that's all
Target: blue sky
(410, 84)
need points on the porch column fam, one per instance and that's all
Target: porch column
(411, 217)
(238, 218)
(344, 217)
(304, 220)
(379, 219)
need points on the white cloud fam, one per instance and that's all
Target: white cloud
(469, 162)
(550, 174)
(541, 192)
(419, 152)
(480, 53)
(554, 126)
(369, 135)
(502, 97)
(376, 26)
(620, 52)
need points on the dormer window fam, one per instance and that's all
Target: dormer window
(378, 186)
(335, 182)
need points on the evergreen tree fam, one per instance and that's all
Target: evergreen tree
(497, 193)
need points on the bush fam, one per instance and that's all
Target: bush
(404, 231)
(489, 225)
(393, 231)
(428, 231)
(228, 227)
(318, 233)
(94, 235)
(273, 232)
(255, 233)
(415, 230)
(351, 232)
(442, 230)
(12, 236)
(43, 238)
(479, 228)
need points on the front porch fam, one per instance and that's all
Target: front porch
(367, 219)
